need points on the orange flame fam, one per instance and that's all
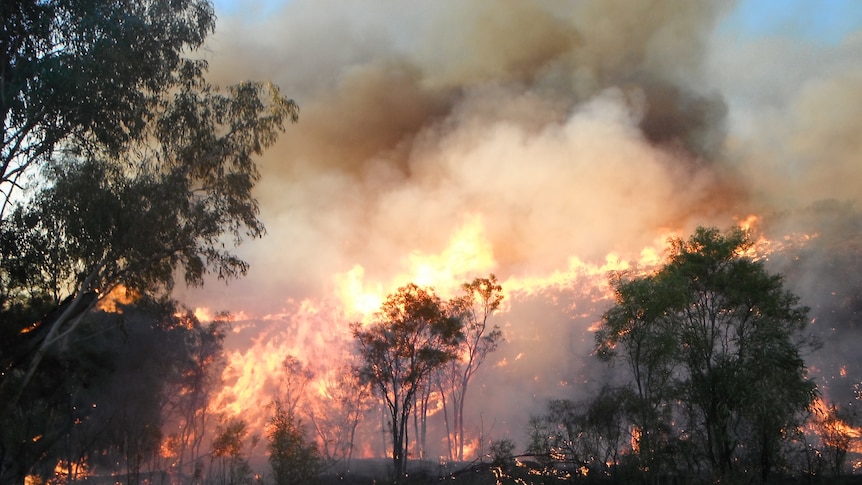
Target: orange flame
(468, 254)
(253, 373)
(118, 296)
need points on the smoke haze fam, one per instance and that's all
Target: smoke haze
(551, 130)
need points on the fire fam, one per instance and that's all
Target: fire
(471, 449)
(762, 246)
(69, 472)
(316, 332)
(118, 296)
(350, 289)
(204, 314)
(834, 431)
(468, 254)
(749, 222)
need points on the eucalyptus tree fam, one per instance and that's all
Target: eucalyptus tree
(346, 400)
(82, 75)
(476, 304)
(410, 337)
(104, 402)
(636, 331)
(158, 179)
(121, 167)
(713, 343)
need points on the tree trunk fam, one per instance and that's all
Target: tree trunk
(449, 444)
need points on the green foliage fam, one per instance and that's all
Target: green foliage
(582, 438)
(295, 459)
(85, 74)
(501, 451)
(711, 343)
(145, 169)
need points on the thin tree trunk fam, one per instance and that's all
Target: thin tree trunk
(461, 423)
(446, 421)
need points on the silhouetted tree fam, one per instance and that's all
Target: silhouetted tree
(129, 188)
(635, 331)
(103, 401)
(713, 340)
(410, 337)
(479, 300)
(294, 457)
(585, 438)
(195, 377)
(296, 378)
(134, 184)
(346, 400)
(230, 461)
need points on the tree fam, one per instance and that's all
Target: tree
(411, 336)
(194, 377)
(138, 170)
(97, 224)
(582, 438)
(228, 454)
(648, 342)
(296, 378)
(713, 340)
(104, 401)
(294, 458)
(150, 184)
(481, 298)
(87, 74)
(344, 404)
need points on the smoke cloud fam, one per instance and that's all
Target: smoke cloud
(569, 129)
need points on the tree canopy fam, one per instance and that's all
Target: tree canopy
(88, 74)
(712, 343)
(146, 175)
(410, 337)
(476, 304)
(121, 167)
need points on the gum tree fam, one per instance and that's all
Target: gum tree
(713, 341)
(479, 300)
(411, 336)
(120, 167)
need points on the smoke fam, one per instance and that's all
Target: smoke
(569, 129)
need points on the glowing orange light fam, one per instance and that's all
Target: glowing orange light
(352, 292)
(204, 315)
(471, 449)
(749, 222)
(468, 254)
(119, 296)
(316, 332)
(66, 471)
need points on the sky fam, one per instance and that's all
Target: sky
(827, 22)
(547, 142)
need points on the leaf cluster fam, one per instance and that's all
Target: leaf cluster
(712, 345)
